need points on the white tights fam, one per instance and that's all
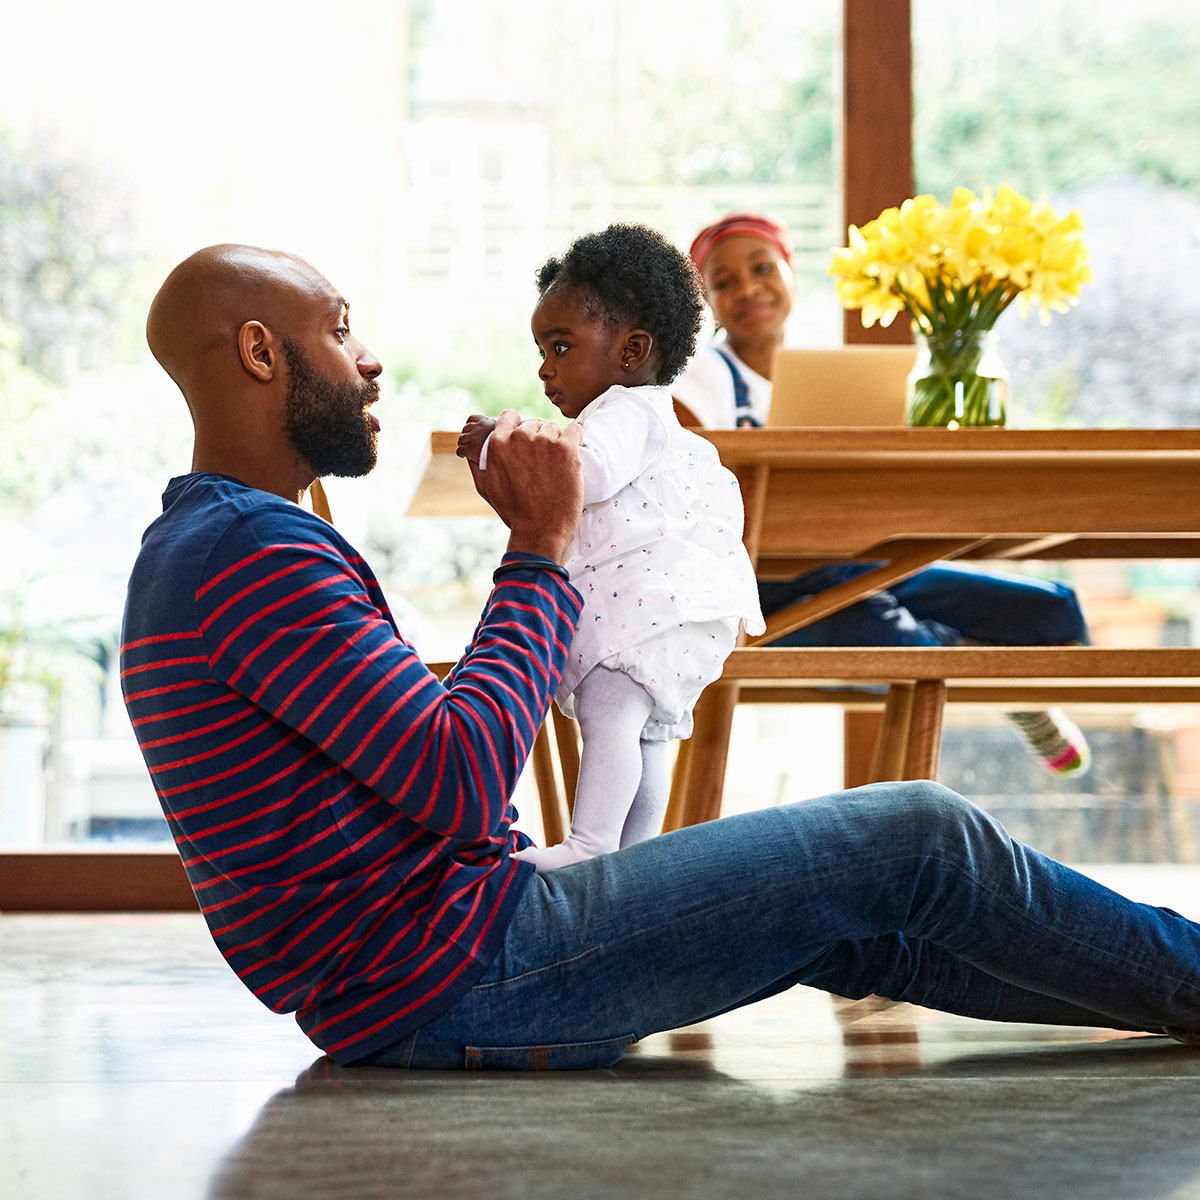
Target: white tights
(624, 782)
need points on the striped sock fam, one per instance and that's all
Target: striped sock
(1056, 741)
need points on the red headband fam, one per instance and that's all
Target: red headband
(741, 225)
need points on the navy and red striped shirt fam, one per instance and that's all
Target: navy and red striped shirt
(343, 817)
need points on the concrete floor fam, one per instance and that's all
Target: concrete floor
(132, 1064)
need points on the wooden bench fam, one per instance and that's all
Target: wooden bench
(915, 685)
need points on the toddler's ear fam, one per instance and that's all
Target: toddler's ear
(637, 348)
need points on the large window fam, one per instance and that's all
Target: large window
(1094, 105)
(427, 157)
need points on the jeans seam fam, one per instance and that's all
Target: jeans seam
(1103, 954)
(1021, 912)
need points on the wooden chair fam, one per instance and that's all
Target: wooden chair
(684, 415)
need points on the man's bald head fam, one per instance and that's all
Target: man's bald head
(279, 389)
(194, 321)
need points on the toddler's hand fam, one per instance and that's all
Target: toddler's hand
(534, 481)
(474, 434)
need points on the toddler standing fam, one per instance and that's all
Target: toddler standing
(658, 557)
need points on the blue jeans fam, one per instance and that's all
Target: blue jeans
(905, 890)
(936, 607)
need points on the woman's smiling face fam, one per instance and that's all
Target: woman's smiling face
(749, 286)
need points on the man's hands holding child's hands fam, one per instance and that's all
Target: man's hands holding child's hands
(534, 478)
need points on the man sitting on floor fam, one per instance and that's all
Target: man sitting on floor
(345, 819)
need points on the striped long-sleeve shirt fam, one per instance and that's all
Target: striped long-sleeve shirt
(343, 817)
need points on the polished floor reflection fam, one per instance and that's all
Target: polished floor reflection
(132, 1064)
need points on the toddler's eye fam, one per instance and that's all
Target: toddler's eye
(559, 348)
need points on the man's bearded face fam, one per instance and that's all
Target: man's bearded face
(327, 421)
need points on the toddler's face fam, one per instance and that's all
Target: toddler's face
(750, 287)
(581, 353)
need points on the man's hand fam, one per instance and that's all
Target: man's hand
(474, 434)
(534, 481)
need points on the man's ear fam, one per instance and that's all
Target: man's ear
(636, 349)
(257, 350)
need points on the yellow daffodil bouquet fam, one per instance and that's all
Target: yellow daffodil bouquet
(954, 269)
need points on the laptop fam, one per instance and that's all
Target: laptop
(846, 385)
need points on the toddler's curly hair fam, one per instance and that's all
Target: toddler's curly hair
(631, 273)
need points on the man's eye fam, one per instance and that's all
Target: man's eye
(343, 331)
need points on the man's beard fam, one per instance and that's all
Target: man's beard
(326, 421)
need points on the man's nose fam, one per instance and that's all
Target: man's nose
(368, 365)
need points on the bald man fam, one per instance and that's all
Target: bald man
(345, 819)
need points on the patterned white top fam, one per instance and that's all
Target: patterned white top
(659, 544)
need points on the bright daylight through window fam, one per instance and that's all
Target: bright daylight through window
(430, 184)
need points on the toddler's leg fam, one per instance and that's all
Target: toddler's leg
(612, 711)
(650, 804)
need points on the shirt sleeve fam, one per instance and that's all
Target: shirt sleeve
(289, 621)
(620, 439)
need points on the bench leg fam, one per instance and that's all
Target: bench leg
(925, 729)
(891, 750)
(860, 736)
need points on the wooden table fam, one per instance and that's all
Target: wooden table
(907, 497)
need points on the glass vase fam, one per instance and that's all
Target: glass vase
(958, 379)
